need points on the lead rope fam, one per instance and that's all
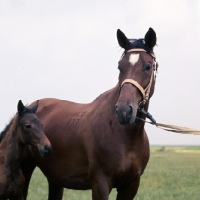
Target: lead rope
(167, 127)
(174, 128)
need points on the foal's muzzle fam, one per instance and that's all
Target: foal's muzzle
(45, 150)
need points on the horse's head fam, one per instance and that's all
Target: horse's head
(136, 78)
(30, 131)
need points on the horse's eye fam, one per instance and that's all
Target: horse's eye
(148, 67)
(28, 126)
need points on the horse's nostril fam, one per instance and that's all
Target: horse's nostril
(116, 110)
(47, 149)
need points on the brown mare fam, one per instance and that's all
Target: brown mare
(92, 148)
(24, 128)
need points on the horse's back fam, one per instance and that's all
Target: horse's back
(61, 120)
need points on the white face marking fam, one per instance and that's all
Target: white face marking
(134, 58)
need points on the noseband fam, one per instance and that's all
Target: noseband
(144, 91)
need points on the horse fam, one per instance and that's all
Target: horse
(100, 145)
(24, 128)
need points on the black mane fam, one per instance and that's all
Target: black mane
(138, 44)
(6, 129)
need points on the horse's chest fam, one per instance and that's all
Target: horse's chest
(131, 160)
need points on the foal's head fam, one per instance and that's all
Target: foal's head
(136, 78)
(30, 129)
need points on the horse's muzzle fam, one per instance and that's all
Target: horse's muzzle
(46, 150)
(124, 114)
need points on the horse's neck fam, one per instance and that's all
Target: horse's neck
(11, 144)
(109, 98)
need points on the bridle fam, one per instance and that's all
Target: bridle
(144, 91)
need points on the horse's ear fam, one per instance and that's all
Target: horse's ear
(20, 108)
(35, 107)
(122, 40)
(150, 38)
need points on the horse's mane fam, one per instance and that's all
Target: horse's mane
(6, 129)
(138, 43)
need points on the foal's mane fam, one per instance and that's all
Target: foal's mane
(138, 43)
(7, 128)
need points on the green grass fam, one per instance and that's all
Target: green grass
(173, 173)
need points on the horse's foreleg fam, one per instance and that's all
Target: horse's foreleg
(128, 194)
(55, 192)
(27, 174)
(27, 166)
(101, 187)
(19, 198)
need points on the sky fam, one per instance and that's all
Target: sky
(69, 50)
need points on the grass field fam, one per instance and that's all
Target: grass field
(173, 173)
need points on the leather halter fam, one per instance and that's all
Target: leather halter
(145, 92)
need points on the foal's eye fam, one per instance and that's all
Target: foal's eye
(148, 67)
(27, 126)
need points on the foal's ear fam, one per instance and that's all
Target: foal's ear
(35, 107)
(20, 108)
(150, 38)
(122, 40)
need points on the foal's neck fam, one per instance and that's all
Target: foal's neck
(11, 143)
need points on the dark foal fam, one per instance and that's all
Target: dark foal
(24, 128)
(92, 148)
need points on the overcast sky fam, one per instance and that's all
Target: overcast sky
(69, 50)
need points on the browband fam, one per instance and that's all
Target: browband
(151, 54)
